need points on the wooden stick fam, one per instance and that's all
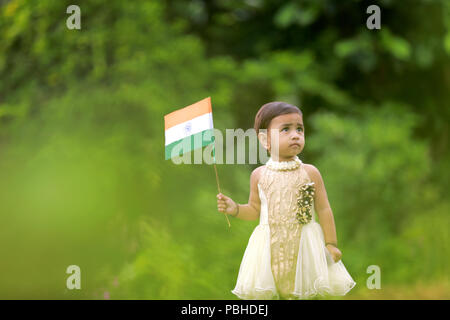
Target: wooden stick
(218, 188)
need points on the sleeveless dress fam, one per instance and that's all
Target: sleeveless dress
(285, 259)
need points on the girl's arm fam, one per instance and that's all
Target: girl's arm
(249, 211)
(324, 212)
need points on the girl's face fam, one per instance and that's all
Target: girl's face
(286, 136)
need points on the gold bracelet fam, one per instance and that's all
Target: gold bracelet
(332, 243)
(235, 215)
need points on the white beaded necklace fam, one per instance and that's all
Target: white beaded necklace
(283, 165)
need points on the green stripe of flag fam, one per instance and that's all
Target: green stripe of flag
(195, 141)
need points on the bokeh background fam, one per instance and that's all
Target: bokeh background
(83, 178)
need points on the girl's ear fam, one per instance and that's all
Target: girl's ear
(262, 137)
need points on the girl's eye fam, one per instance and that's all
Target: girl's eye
(300, 128)
(285, 129)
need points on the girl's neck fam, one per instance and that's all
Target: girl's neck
(282, 159)
(284, 165)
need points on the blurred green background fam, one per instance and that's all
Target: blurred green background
(82, 173)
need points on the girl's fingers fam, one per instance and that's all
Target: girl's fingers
(220, 196)
(223, 202)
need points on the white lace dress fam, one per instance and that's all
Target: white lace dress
(285, 259)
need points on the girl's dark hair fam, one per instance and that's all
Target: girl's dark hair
(271, 110)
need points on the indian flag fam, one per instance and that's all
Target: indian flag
(189, 128)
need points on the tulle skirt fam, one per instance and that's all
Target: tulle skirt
(314, 276)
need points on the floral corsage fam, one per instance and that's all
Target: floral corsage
(304, 202)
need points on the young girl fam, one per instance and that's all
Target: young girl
(289, 255)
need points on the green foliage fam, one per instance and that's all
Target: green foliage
(82, 175)
(373, 157)
(377, 179)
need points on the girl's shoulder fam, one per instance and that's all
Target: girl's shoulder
(312, 171)
(256, 174)
(309, 167)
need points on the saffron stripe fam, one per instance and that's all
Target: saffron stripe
(187, 113)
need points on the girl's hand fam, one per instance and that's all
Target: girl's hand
(336, 254)
(226, 204)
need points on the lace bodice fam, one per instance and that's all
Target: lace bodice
(278, 190)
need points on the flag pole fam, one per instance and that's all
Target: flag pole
(217, 180)
(218, 188)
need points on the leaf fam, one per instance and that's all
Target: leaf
(286, 15)
(397, 46)
(447, 42)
